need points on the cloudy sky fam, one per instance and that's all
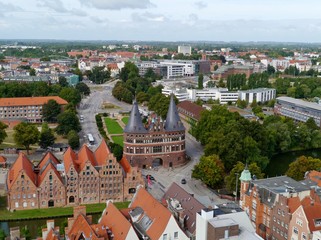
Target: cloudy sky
(163, 20)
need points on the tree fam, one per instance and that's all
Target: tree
(270, 69)
(78, 72)
(142, 97)
(32, 72)
(26, 134)
(99, 75)
(25, 233)
(73, 139)
(67, 121)
(3, 133)
(230, 180)
(2, 234)
(117, 150)
(200, 81)
(50, 111)
(241, 103)
(210, 170)
(301, 165)
(83, 88)
(71, 95)
(63, 81)
(47, 137)
(310, 123)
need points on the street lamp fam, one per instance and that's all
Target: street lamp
(236, 182)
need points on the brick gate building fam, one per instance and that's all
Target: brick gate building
(158, 143)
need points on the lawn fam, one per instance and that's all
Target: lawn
(51, 212)
(118, 139)
(125, 120)
(112, 126)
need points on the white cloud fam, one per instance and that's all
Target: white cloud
(200, 4)
(118, 4)
(148, 17)
(55, 5)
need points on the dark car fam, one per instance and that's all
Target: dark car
(150, 177)
(183, 181)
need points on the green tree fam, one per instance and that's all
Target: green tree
(230, 180)
(241, 103)
(50, 111)
(73, 139)
(47, 137)
(83, 88)
(71, 95)
(310, 123)
(3, 133)
(25, 233)
(142, 97)
(32, 72)
(99, 75)
(210, 171)
(117, 150)
(63, 81)
(199, 102)
(270, 70)
(2, 234)
(67, 121)
(301, 165)
(200, 81)
(78, 72)
(26, 134)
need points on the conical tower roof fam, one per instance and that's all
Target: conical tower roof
(173, 121)
(246, 175)
(135, 124)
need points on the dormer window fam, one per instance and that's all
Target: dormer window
(22, 176)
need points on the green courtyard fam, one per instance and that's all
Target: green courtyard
(113, 126)
(118, 139)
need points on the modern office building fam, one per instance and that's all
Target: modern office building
(297, 109)
(186, 50)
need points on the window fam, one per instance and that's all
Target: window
(304, 236)
(176, 235)
(165, 236)
(295, 230)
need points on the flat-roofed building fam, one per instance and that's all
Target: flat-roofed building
(297, 109)
(258, 94)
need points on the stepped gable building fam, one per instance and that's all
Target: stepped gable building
(158, 143)
(81, 178)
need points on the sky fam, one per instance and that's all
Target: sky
(162, 20)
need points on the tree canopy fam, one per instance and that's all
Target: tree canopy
(26, 134)
(47, 137)
(67, 121)
(50, 111)
(301, 165)
(210, 170)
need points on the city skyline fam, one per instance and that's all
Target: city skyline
(162, 20)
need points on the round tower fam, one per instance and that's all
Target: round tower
(245, 183)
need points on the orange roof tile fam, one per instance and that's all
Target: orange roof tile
(3, 159)
(293, 203)
(51, 235)
(154, 210)
(46, 158)
(27, 101)
(22, 163)
(69, 158)
(315, 176)
(125, 164)
(313, 212)
(43, 172)
(102, 153)
(85, 154)
(115, 221)
(81, 226)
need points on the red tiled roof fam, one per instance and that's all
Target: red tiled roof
(313, 212)
(154, 210)
(79, 227)
(315, 176)
(46, 158)
(3, 159)
(293, 204)
(22, 163)
(193, 110)
(85, 154)
(42, 174)
(102, 153)
(51, 235)
(125, 164)
(115, 221)
(69, 158)
(29, 101)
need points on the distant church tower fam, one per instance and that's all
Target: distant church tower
(160, 143)
(245, 183)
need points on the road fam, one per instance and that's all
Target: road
(91, 105)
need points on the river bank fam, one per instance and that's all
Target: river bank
(47, 213)
(279, 163)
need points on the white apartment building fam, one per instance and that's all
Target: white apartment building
(186, 50)
(180, 94)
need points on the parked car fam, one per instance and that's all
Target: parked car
(150, 177)
(183, 181)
